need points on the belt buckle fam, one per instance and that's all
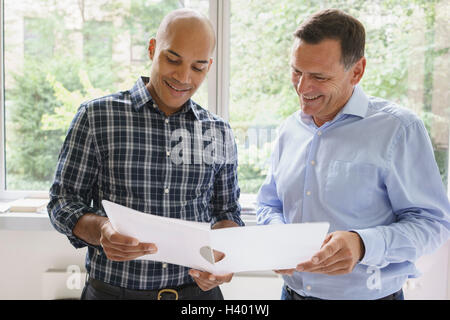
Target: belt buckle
(160, 292)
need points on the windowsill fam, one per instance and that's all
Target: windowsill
(21, 221)
(32, 221)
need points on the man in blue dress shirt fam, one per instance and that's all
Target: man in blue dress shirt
(361, 163)
(126, 148)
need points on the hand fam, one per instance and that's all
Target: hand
(119, 247)
(285, 272)
(340, 252)
(207, 281)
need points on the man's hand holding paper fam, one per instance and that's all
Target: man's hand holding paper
(119, 247)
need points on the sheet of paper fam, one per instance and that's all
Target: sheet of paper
(249, 248)
(268, 247)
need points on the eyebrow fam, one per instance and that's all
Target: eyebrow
(176, 54)
(312, 73)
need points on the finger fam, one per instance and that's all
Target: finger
(327, 239)
(288, 272)
(203, 280)
(108, 232)
(328, 250)
(121, 257)
(218, 255)
(338, 257)
(146, 248)
(213, 278)
(224, 278)
(340, 267)
(205, 286)
(305, 266)
(113, 254)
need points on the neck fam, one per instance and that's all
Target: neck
(320, 121)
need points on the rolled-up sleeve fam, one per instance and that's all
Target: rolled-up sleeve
(418, 199)
(225, 199)
(76, 173)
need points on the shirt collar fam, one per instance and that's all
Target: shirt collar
(140, 96)
(357, 105)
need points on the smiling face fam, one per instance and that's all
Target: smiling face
(321, 80)
(181, 58)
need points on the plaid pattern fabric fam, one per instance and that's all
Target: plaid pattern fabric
(122, 148)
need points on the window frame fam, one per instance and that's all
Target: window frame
(218, 82)
(218, 85)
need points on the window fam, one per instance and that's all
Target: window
(408, 62)
(59, 54)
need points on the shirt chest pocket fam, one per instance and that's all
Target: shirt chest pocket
(350, 186)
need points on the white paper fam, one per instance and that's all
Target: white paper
(252, 248)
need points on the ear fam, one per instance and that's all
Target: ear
(358, 70)
(210, 63)
(152, 48)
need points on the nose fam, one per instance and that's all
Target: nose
(302, 84)
(182, 74)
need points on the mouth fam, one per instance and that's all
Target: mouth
(311, 98)
(175, 88)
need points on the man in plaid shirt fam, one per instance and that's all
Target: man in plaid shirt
(152, 149)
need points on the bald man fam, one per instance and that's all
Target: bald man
(154, 150)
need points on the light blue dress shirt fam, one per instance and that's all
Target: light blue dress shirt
(370, 170)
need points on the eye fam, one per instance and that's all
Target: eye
(172, 61)
(197, 69)
(296, 72)
(320, 78)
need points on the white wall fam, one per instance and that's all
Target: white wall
(27, 255)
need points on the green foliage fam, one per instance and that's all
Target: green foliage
(54, 82)
(68, 101)
(31, 152)
(261, 37)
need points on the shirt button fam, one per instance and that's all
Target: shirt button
(168, 153)
(313, 162)
(167, 121)
(166, 190)
(308, 193)
(319, 133)
(164, 265)
(308, 288)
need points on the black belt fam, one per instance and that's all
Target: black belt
(173, 293)
(297, 296)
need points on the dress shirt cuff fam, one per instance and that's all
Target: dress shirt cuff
(74, 240)
(265, 217)
(276, 220)
(227, 216)
(67, 221)
(374, 246)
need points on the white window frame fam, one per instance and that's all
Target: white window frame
(218, 84)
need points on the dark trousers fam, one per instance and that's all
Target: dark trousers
(98, 290)
(289, 294)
